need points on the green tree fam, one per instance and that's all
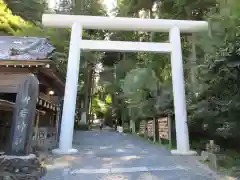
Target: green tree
(30, 10)
(219, 76)
(10, 23)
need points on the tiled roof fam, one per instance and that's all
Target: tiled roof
(25, 48)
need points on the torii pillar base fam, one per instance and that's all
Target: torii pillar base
(64, 152)
(181, 153)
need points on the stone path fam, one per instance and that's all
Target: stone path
(105, 155)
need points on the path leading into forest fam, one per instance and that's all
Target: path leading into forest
(106, 155)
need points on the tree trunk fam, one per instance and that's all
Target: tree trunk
(91, 97)
(87, 87)
(193, 63)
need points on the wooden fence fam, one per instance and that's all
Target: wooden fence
(45, 138)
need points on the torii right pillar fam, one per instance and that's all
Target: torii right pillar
(182, 133)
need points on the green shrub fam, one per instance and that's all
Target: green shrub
(126, 131)
(82, 127)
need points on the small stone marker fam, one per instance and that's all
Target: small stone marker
(204, 155)
(211, 147)
(212, 154)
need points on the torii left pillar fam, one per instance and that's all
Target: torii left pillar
(69, 105)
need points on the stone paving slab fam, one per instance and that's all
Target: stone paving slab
(107, 155)
(147, 175)
(122, 160)
(126, 170)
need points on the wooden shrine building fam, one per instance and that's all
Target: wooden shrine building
(20, 56)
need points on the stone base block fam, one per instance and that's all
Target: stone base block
(64, 152)
(185, 153)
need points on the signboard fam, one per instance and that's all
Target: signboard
(142, 127)
(164, 128)
(150, 128)
(23, 116)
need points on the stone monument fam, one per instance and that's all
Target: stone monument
(18, 162)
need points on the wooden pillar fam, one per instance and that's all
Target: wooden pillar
(154, 129)
(170, 131)
(145, 129)
(53, 119)
(57, 123)
(59, 120)
(36, 128)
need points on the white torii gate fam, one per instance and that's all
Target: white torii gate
(78, 23)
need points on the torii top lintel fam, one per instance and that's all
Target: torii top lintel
(124, 24)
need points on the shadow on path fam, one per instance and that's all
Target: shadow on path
(106, 155)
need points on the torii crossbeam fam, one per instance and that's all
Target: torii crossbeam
(78, 23)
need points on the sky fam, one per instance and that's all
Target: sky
(51, 4)
(109, 3)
